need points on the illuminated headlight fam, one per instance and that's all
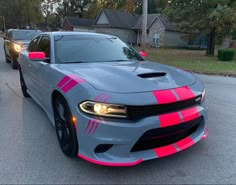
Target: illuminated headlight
(17, 47)
(103, 109)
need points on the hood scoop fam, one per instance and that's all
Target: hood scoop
(152, 75)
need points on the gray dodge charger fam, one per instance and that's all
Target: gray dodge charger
(109, 105)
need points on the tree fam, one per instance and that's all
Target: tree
(47, 7)
(208, 16)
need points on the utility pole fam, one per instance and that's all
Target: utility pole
(144, 24)
(4, 23)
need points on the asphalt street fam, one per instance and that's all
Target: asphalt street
(30, 154)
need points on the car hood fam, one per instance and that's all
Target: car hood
(130, 77)
(24, 42)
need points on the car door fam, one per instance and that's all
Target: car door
(27, 65)
(41, 72)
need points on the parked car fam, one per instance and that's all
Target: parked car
(108, 104)
(15, 41)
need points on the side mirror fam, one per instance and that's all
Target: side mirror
(143, 54)
(37, 56)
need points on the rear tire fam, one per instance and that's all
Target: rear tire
(23, 85)
(65, 130)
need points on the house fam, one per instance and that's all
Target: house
(128, 27)
(160, 31)
(117, 23)
(78, 24)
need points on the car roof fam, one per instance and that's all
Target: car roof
(59, 33)
(19, 30)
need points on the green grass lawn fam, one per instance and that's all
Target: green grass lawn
(193, 60)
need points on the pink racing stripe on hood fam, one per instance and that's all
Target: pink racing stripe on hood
(164, 96)
(184, 93)
(118, 164)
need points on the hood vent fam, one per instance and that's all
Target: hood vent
(152, 75)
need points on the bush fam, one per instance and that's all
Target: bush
(226, 54)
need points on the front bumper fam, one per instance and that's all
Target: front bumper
(121, 136)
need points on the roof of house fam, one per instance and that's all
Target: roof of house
(169, 26)
(120, 19)
(79, 22)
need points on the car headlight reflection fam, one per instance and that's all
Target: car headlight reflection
(203, 95)
(103, 109)
(17, 47)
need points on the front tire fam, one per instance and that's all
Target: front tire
(7, 61)
(14, 63)
(23, 85)
(65, 129)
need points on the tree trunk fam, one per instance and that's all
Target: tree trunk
(211, 43)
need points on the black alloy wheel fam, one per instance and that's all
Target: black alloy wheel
(65, 128)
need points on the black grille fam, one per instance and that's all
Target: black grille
(164, 136)
(138, 112)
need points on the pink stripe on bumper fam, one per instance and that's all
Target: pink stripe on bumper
(190, 114)
(185, 143)
(110, 163)
(165, 150)
(170, 119)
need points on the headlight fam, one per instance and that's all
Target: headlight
(103, 109)
(17, 47)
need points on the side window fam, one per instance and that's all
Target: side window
(33, 45)
(44, 45)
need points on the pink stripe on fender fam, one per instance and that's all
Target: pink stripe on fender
(184, 93)
(185, 143)
(77, 78)
(164, 97)
(110, 163)
(170, 119)
(69, 86)
(190, 114)
(63, 81)
(165, 151)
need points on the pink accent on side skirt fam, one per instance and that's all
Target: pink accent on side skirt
(110, 163)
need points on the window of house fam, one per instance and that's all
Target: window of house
(156, 38)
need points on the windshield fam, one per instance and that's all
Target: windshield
(76, 49)
(24, 35)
